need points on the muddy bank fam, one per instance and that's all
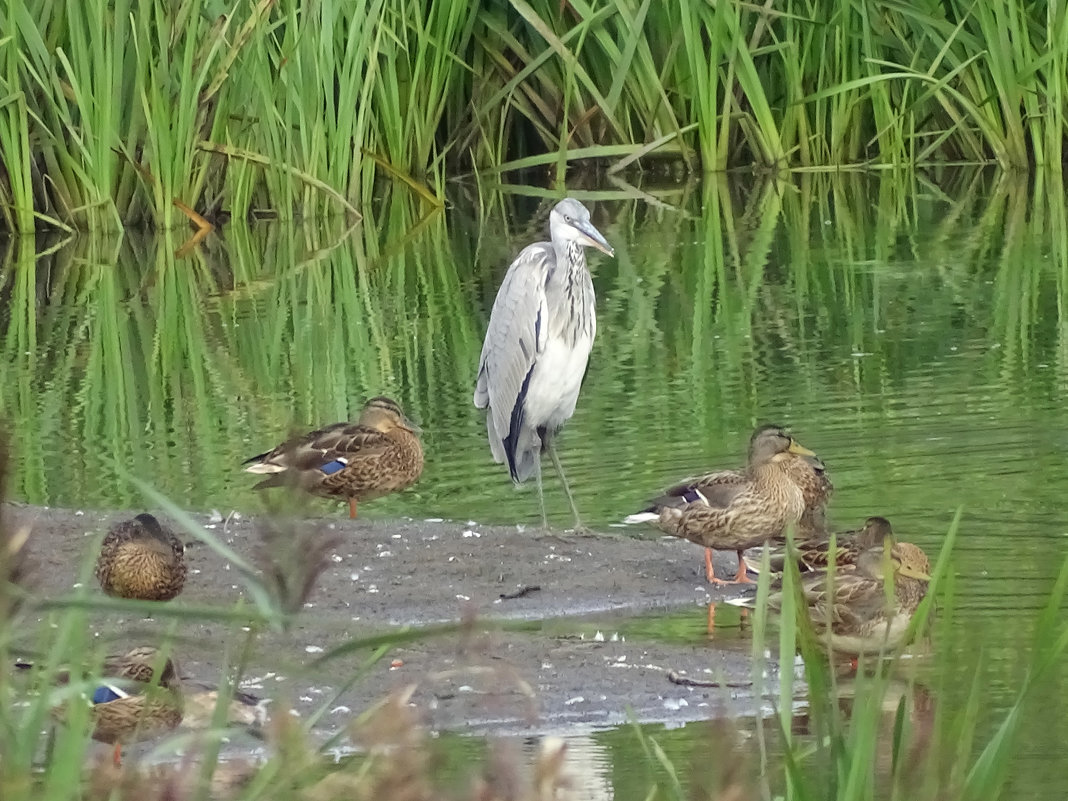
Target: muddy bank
(385, 574)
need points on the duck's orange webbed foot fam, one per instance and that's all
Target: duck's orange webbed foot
(741, 577)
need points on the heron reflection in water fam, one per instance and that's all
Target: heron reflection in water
(537, 344)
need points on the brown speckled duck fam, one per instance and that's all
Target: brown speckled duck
(378, 455)
(129, 705)
(140, 559)
(783, 484)
(853, 613)
(815, 554)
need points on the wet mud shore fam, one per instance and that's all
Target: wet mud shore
(567, 670)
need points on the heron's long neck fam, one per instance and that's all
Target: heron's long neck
(570, 261)
(571, 282)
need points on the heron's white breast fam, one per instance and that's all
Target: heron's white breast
(554, 387)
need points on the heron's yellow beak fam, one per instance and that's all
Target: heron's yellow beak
(594, 238)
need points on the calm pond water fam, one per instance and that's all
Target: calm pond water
(913, 332)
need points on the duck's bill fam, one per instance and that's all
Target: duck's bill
(594, 239)
(913, 573)
(412, 426)
(799, 449)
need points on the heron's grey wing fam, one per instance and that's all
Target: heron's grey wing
(517, 332)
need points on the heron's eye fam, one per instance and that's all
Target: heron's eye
(567, 218)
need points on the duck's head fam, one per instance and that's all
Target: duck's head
(150, 526)
(384, 414)
(150, 537)
(912, 561)
(903, 559)
(877, 531)
(774, 442)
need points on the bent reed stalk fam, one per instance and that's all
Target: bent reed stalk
(119, 114)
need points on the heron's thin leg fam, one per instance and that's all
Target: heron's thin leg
(541, 499)
(551, 447)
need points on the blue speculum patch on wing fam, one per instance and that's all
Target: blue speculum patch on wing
(332, 467)
(105, 693)
(692, 496)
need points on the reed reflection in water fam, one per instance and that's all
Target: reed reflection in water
(912, 334)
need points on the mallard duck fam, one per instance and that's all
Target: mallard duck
(815, 554)
(199, 700)
(134, 701)
(139, 559)
(129, 704)
(124, 713)
(379, 454)
(850, 609)
(733, 510)
(137, 664)
(810, 473)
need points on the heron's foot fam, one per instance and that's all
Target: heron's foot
(549, 536)
(600, 535)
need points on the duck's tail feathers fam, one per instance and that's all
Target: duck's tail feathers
(260, 465)
(275, 480)
(748, 603)
(676, 503)
(753, 559)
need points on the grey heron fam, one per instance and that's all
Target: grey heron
(537, 345)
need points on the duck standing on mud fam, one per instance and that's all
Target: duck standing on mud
(375, 456)
(735, 510)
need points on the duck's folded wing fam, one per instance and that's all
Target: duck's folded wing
(338, 446)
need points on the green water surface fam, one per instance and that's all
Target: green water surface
(913, 331)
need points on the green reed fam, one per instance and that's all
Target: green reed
(16, 193)
(899, 735)
(119, 115)
(883, 734)
(120, 350)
